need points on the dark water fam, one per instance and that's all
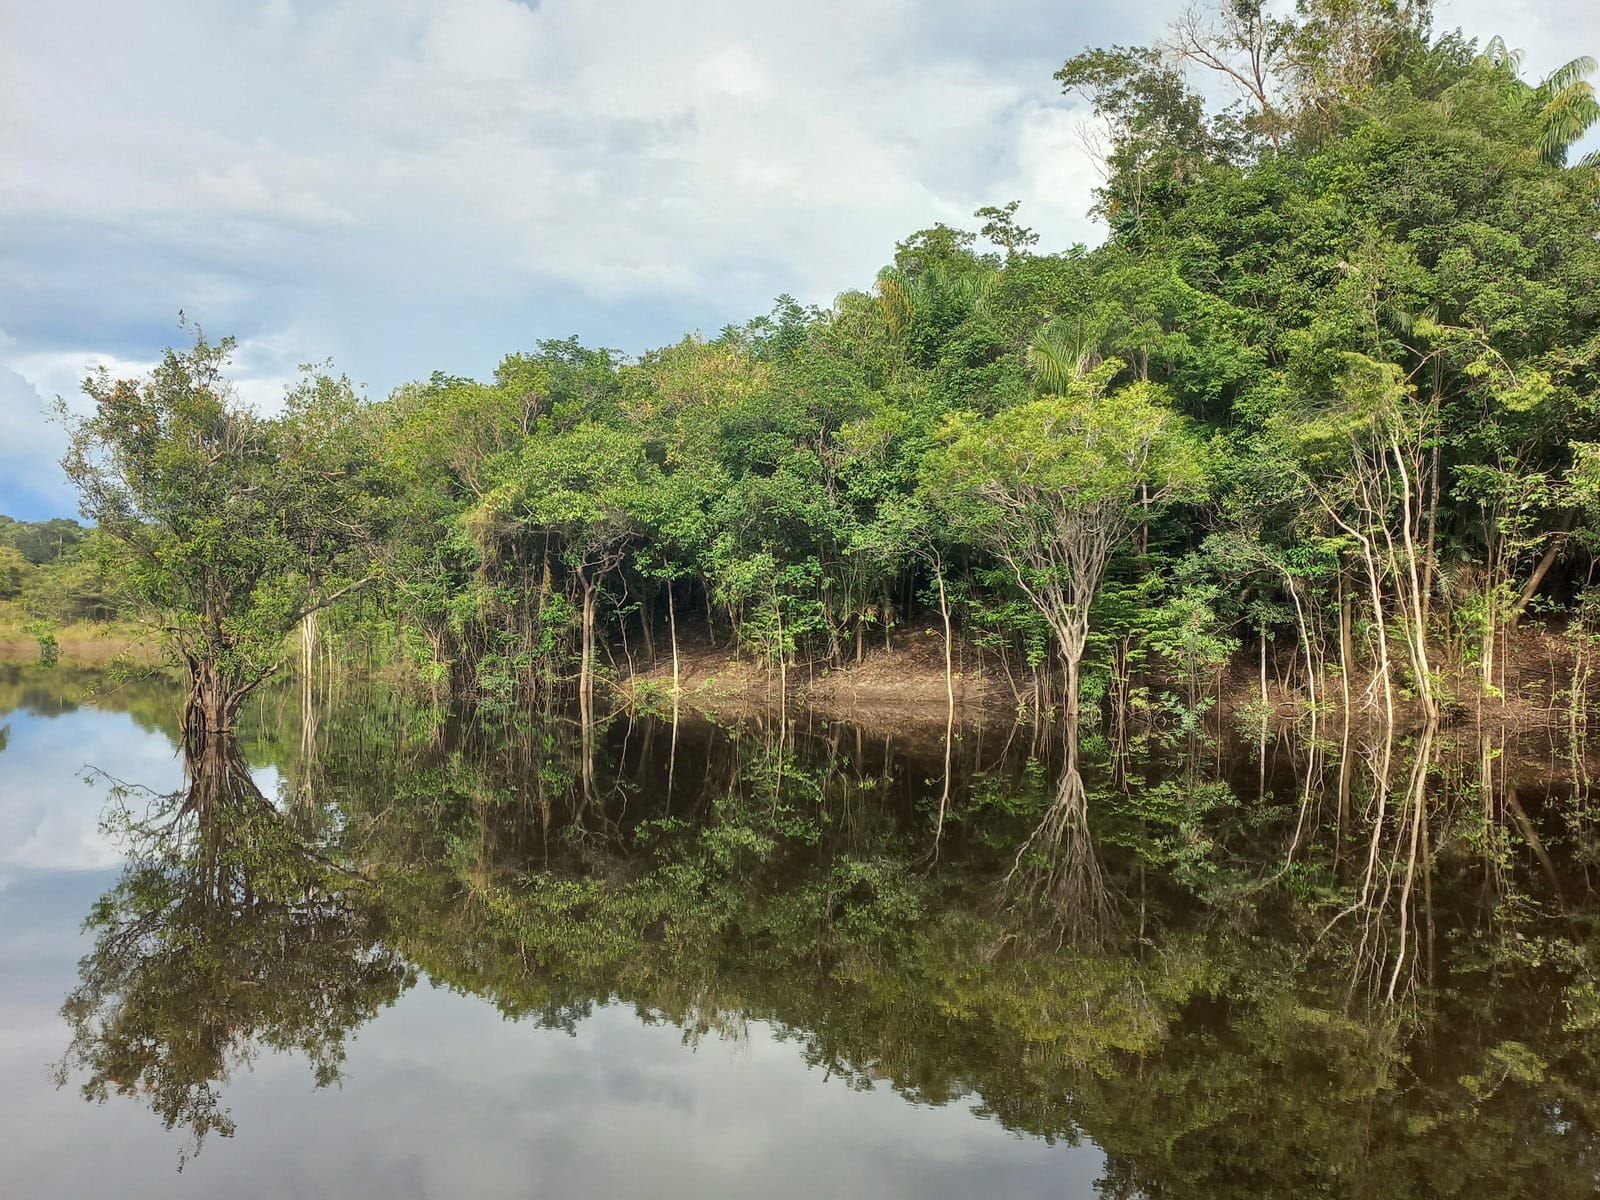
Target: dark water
(381, 954)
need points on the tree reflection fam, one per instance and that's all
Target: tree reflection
(1391, 943)
(229, 932)
(1057, 873)
(1175, 986)
(1216, 1050)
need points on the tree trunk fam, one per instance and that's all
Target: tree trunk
(1071, 705)
(644, 628)
(1416, 603)
(1531, 588)
(1347, 655)
(1487, 653)
(1383, 640)
(586, 658)
(672, 628)
(949, 666)
(1305, 643)
(783, 664)
(210, 707)
(950, 701)
(1433, 522)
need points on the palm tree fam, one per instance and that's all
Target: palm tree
(1567, 109)
(1562, 107)
(938, 293)
(1064, 351)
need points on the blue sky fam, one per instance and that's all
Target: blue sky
(406, 186)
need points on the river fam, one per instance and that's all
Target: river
(374, 950)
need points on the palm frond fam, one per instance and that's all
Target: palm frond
(1568, 74)
(1564, 119)
(895, 302)
(1501, 56)
(976, 289)
(1062, 352)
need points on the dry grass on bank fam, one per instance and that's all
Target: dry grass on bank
(85, 643)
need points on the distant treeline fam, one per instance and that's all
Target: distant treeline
(40, 542)
(1327, 395)
(48, 573)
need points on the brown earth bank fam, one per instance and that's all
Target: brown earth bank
(1537, 671)
(904, 685)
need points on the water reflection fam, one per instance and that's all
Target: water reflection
(230, 931)
(1057, 875)
(1362, 967)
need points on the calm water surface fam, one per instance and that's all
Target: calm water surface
(376, 953)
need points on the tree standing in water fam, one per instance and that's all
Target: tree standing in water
(1055, 486)
(229, 527)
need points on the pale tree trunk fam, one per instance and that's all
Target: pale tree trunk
(1415, 604)
(1074, 664)
(1378, 623)
(1305, 644)
(1433, 524)
(586, 657)
(1491, 626)
(949, 697)
(1347, 657)
(949, 661)
(308, 705)
(672, 628)
(783, 665)
(1388, 477)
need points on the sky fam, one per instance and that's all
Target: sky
(407, 186)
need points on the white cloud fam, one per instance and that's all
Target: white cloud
(49, 817)
(616, 148)
(30, 444)
(410, 185)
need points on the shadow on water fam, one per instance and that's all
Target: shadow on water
(1363, 966)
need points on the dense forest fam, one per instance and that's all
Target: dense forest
(1323, 406)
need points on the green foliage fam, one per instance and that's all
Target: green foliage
(1341, 340)
(49, 648)
(228, 526)
(41, 542)
(1053, 488)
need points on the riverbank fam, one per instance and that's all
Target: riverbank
(905, 684)
(82, 644)
(906, 680)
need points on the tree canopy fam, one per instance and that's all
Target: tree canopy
(1345, 329)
